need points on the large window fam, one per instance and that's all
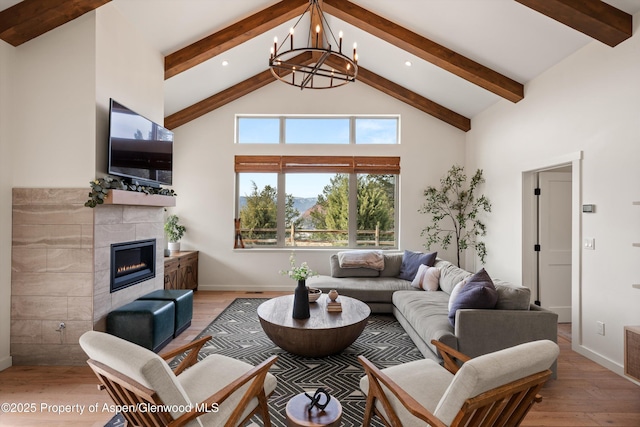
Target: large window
(316, 201)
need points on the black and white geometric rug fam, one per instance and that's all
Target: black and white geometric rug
(236, 332)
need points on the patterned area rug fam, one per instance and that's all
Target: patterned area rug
(236, 332)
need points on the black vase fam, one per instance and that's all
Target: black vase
(301, 301)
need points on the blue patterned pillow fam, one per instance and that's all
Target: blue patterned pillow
(478, 292)
(411, 261)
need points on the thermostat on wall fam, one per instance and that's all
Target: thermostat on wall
(588, 208)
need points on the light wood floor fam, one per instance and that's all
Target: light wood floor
(585, 394)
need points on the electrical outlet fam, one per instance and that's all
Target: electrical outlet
(600, 328)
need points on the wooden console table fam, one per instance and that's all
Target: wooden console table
(181, 270)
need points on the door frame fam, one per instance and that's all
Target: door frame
(529, 233)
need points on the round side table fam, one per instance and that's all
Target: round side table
(298, 414)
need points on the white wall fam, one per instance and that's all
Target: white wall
(588, 103)
(204, 177)
(128, 70)
(6, 63)
(54, 107)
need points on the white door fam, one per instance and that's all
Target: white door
(554, 238)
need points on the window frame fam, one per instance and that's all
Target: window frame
(283, 129)
(350, 165)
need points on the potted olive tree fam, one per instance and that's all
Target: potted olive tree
(457, 204)
(174, 231)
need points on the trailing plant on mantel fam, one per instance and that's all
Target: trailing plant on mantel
(459, 203)
(101, 186)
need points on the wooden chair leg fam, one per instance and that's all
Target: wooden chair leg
(368, 411)
(264, 409)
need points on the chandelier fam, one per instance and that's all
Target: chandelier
(318, 65)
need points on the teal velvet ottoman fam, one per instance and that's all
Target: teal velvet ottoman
(148, 323)
(183, 301)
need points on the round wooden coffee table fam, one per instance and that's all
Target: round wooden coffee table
(299, 415)
(323, 334)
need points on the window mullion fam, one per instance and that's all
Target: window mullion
(353, 210)
(281, 215)
(352, 130)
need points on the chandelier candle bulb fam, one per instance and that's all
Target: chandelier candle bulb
(291, 35)
(340, 41)
(317, 35)
(275, 45)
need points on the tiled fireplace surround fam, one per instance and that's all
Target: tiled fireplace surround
(60, 269)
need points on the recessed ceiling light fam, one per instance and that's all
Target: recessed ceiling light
(407, 63)
(225, 63)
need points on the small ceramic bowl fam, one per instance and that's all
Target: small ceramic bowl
(314, 294)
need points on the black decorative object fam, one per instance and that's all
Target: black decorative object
(301, 301)
(317, 400)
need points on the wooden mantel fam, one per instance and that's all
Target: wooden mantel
(122, 197)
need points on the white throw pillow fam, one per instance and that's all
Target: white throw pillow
(427, 278)
(455, 291)
(431, 279)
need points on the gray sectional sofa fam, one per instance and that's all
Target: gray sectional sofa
(424, 314)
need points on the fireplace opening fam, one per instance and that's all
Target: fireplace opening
(132, 263)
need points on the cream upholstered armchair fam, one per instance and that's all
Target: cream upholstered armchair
(217, 391)
(495, 389)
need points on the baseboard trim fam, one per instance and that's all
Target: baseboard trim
(247, 288)
(5, 363)
(601, 360)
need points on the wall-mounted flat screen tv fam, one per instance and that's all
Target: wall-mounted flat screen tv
(139, 149)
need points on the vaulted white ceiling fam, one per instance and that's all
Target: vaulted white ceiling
(503, 35)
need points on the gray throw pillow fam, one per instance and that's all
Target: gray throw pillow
(411, 261)
(478, 292)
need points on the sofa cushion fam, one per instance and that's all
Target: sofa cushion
(392, 263)
(411, 261)
(426, 312)
(511, 297)
(450, 275)
(427, 278)
(478, 292)
(337, 271)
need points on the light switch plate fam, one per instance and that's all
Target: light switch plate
(590, 243)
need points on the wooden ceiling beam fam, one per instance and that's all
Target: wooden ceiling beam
(426, 49)
(413, 99)
(594, 18)
(232, 36)
(31, 18)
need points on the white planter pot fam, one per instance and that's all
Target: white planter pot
(174, 247)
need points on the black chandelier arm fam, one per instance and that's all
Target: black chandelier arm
(315, 69)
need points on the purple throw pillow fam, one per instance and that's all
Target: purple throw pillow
(478, 292)
(411, 261)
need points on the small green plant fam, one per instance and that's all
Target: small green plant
(302, 272)
(456, 201)
(174, 230)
